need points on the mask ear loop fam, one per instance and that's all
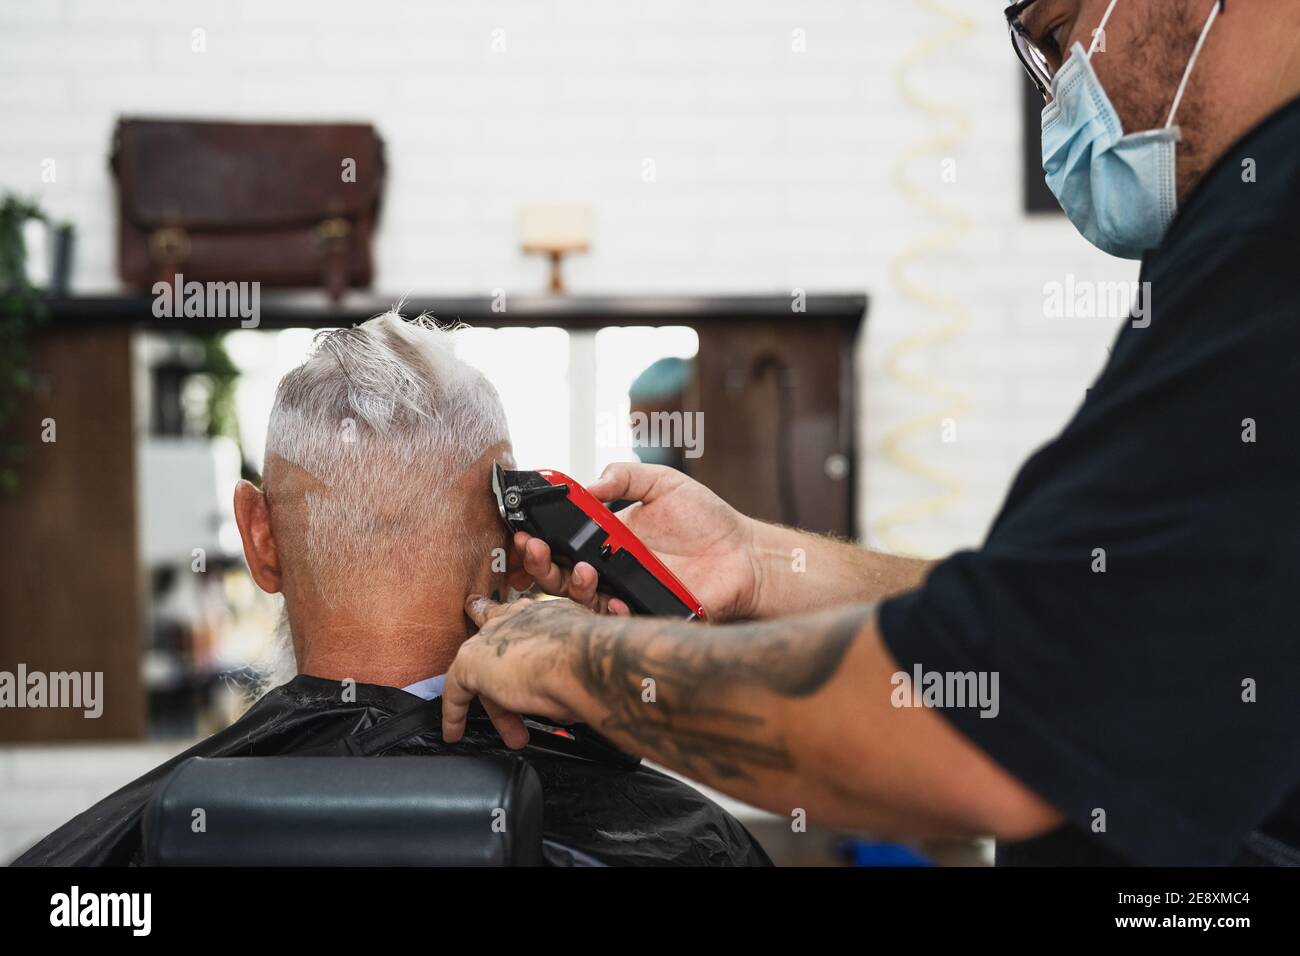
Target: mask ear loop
(1191, 64)
(1100, 32)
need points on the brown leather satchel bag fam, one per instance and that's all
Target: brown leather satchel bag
(287, 205)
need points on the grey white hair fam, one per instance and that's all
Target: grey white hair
(384, 419)
(387, 390)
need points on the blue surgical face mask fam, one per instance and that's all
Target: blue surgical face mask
(1120, 191)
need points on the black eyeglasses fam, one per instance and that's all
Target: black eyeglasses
(1036, 64)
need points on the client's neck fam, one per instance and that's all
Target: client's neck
(391, 649)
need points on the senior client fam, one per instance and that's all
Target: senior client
(375, 522)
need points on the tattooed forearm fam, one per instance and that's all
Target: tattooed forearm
(698, 698)
(701, 699)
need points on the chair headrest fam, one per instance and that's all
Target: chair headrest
(346, 811)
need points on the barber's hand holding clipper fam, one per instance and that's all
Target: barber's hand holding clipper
(702, 540)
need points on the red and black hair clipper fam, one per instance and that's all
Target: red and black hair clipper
(578, 527)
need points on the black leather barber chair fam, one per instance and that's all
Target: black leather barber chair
(346, 811)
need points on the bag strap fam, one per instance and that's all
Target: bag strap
(335, 235)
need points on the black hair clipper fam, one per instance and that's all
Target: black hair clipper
(578, 527)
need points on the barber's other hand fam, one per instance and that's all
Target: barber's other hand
(698, 536)
(519, 662)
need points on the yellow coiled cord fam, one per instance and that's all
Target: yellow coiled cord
(953, 404)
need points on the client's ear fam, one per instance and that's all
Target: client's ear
(254, 520)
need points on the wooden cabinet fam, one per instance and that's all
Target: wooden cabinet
(70, 585)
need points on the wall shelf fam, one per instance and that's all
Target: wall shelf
(314, 310)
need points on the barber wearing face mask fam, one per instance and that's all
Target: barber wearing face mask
(1125, 642)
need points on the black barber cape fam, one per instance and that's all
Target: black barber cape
(1156, 703)
(592, 813)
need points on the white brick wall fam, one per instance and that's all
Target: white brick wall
(775, 168)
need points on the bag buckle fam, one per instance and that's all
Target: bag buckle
(334, 230)
(169, 245)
